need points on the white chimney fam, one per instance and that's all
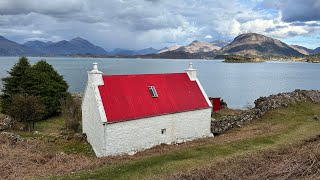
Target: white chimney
(95, 76)
(191, 72)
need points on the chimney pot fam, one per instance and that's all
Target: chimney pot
(95, 66)
(191, 72)
(95, 76)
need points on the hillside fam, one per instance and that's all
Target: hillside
(194, 50)
(37, 45)
(10, 48)
(149, 50)
(316, 51)
(282, 143)
(253, 44)
(314, 58)
(220, 43)
(171, 48)
(74, 46)
(125, 52)
(302, 50)
(198, 47)
(248, 45)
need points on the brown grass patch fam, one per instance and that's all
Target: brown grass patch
(30, 158)
(293, 162)
(36, 157)
(2, 116)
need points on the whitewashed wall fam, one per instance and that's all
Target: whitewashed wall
(136, 135)
(91, 122)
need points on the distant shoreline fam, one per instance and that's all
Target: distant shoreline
(293, 59)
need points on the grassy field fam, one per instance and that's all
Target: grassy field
(297, 161)
(47, 154)
(278, 128)
(49, 131)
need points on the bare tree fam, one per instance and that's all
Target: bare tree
(71, 111)
(27, 109)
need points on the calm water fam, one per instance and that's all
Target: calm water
(238, 84)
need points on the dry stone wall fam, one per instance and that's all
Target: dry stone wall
(262, 105)
(6, 123)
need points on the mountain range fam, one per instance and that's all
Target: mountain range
(249, 44)
(62, 48)
(74, 46)
(10, 48)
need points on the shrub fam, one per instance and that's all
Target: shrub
(223, 104)
(71, 112)
(27, 109)
(15, 83)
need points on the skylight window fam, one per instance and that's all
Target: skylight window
(153, 91)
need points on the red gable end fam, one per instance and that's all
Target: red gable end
(126, 97)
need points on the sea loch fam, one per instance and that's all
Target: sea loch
(237, 83)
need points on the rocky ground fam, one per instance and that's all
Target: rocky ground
(262, 105)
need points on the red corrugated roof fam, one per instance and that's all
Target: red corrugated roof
(126, 97)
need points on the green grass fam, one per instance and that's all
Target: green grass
(49, 131)
(74, 147)
(45, 128)
(296, 124)
(51, 125)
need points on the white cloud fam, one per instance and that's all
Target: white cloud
(259, 25)
(143, 23)
(275, 28)
(36, 32)
(288, 31)
(235, 28)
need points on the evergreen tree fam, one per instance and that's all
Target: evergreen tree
(45, 82)
(15, 83)
(40, 80)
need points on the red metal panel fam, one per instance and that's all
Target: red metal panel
(215, 104)
(126, 97)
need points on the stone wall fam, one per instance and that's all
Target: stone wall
(6, 123)
(262, 105)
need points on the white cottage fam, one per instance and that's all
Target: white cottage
(123, 114)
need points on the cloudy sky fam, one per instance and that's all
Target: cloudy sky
(137, 24)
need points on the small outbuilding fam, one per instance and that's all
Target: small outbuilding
(123, 114)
